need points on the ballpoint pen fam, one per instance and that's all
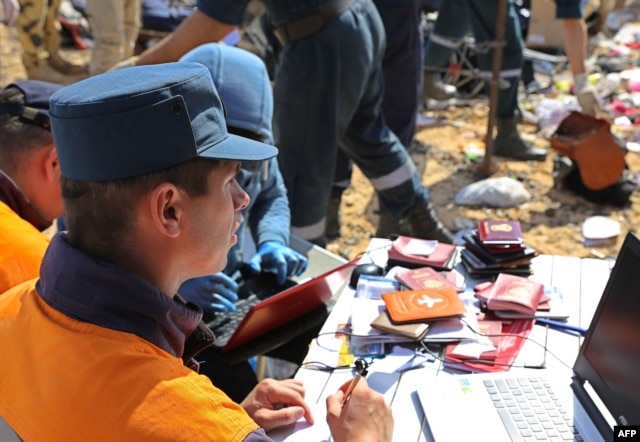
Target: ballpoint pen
(352, 385)
(561, 326)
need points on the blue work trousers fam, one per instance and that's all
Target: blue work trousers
(402, 73)
(328, 93)
(455, 19)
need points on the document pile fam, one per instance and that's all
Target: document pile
(497, 247)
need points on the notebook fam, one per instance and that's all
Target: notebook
(601, 390)
(260, 313)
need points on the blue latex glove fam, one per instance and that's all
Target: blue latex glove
(273, 256)
(215, 292)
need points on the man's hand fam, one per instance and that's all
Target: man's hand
(365, 415)
(274, 403)
(275, 256)
(215, 292)
(11, 10)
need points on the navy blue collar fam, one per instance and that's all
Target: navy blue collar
(95, 291)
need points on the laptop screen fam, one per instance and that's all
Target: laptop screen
(609, 359)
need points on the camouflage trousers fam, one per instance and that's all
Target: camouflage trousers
(38, 31)
(115, 25)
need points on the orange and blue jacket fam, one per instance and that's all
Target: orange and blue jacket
(94, 352)
(22, 247)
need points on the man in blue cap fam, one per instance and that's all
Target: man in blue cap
(30, 196)
(148, 182)
(242, 81)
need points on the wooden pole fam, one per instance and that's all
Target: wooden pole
(494, 88)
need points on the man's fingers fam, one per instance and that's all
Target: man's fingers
(270, 419)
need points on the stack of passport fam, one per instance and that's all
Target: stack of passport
(497, 246)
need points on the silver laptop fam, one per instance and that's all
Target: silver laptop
(601, 391)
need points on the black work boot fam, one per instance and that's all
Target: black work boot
(508, 143)
(434, 88)
(332, 226)
(423, 223)
(388, 226)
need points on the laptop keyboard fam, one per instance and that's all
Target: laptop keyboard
(530, 410)
(224, 324)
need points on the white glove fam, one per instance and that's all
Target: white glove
(126, 63)
(587, 96)
(11, 10)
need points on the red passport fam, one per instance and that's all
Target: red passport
(515, 293)
(514, 335)
(401, 253)
(499, 232)
(424, 278)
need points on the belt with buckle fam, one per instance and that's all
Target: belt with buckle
(309, 24)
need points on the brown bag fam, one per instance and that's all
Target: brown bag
(589, 143)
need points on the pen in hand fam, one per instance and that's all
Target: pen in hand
(352, 385)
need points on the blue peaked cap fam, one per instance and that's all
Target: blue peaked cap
(243, 83)
(138, 120)
(36, 101)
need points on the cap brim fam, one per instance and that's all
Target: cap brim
(240, 149)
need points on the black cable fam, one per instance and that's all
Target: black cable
(473, 360)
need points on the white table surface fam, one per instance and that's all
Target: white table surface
(581, 281)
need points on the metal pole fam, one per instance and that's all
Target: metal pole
(498, 48)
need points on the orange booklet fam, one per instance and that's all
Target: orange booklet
(515, 293)
(424, 278)
(423, 305)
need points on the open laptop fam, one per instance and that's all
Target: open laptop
(602, 390)
(259, 313)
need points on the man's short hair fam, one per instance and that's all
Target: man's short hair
(24, 120)
(99, 212)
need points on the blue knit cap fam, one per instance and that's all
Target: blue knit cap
(242, 81)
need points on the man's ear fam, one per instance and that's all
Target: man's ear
(167, 209)
(51, 165)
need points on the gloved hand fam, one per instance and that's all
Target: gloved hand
(11, 10)
(587, 96)
(275, 256)
(126, 63)
(588, 100)
(215, 292)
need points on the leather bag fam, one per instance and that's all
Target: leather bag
(588, 141)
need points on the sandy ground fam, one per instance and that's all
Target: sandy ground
(551, 220)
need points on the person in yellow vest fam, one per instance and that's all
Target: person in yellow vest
(29, 179)
(101, 346)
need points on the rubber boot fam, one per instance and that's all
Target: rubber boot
(388, 226)
(434, 88)
(508, 143)
(332, 226)
(423, 223)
